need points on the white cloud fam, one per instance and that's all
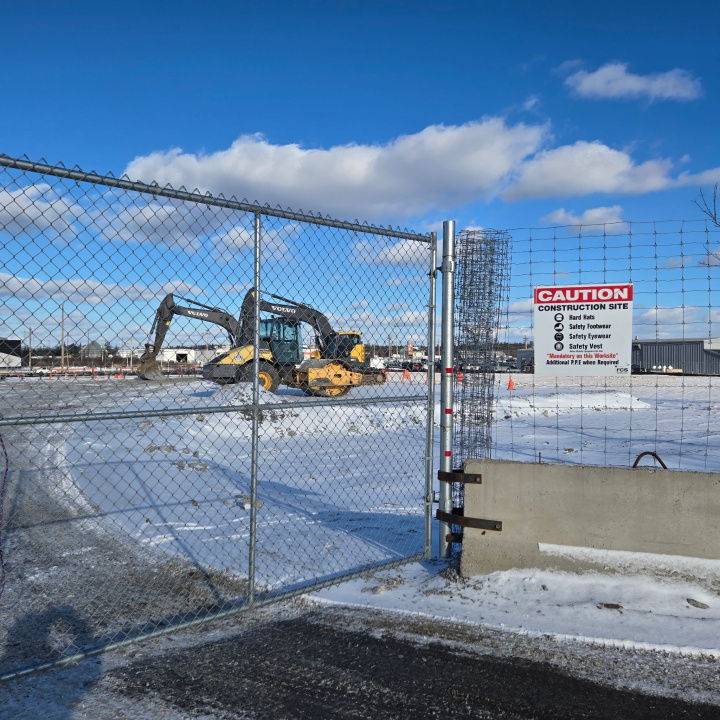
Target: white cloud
(660, 316)
(531, 103)
(593, 216)
(238, 238)
(706, 177)
(435, 168)
(412, 317)
(516, 318)
(568, 67)
(86, 290)
(520, 306)
(614, 81)
(585, 168)
(168, 222)
(404, 252)
(37, 207)
(712, 259)
(673, 263)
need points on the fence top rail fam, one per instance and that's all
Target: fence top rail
(206, 199)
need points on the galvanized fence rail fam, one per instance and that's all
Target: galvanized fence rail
(231, 478)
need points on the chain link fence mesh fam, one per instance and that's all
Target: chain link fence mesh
(133, 507)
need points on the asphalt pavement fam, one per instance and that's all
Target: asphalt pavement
(309, 667)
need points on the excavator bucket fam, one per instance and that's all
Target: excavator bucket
(148, 368)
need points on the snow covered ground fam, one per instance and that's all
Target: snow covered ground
(636, 611)
(663, 602)
(609, 421)
(342, 486)
(339, 486)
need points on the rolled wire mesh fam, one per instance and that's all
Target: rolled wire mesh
(480, 293)
(668, 403)
(128, 504)
(483, 262)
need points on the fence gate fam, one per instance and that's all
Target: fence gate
(131, 507)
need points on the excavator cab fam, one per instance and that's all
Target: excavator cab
(283, 334)
(346, 346)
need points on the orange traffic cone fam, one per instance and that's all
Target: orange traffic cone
(459, 378)
(406, 376)
(511, 384)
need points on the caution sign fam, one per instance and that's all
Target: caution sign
(583, 330)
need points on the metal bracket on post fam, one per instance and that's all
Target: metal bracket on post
(457, 518)
(459, 477)
(457, 515)
(446, 387)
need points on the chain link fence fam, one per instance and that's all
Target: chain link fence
(280, 441)
(668, 401)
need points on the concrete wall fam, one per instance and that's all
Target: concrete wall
(642, 510)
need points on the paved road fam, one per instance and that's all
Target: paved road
(293, 661)
(302, 668)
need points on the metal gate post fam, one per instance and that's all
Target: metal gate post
(446, 387)
(255, 414)
(430, 427)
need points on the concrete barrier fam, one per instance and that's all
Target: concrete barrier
(614, 509)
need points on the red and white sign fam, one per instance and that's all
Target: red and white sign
(583, 293)
(583, 330)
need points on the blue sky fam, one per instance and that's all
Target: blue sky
(512, 115)
(484, 113)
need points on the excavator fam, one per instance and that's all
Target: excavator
(333, 369)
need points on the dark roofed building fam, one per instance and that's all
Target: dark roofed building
(694, 356)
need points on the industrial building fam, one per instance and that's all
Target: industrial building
(525, 359)
(10, 353)
(691, 356)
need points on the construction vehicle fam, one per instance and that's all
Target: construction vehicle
(333, 369)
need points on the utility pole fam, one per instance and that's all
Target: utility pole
(30, 349)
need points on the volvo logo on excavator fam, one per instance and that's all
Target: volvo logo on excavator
(198, 313)
(283, 308)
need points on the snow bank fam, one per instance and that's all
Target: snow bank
(618, 611)
(523, 405)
